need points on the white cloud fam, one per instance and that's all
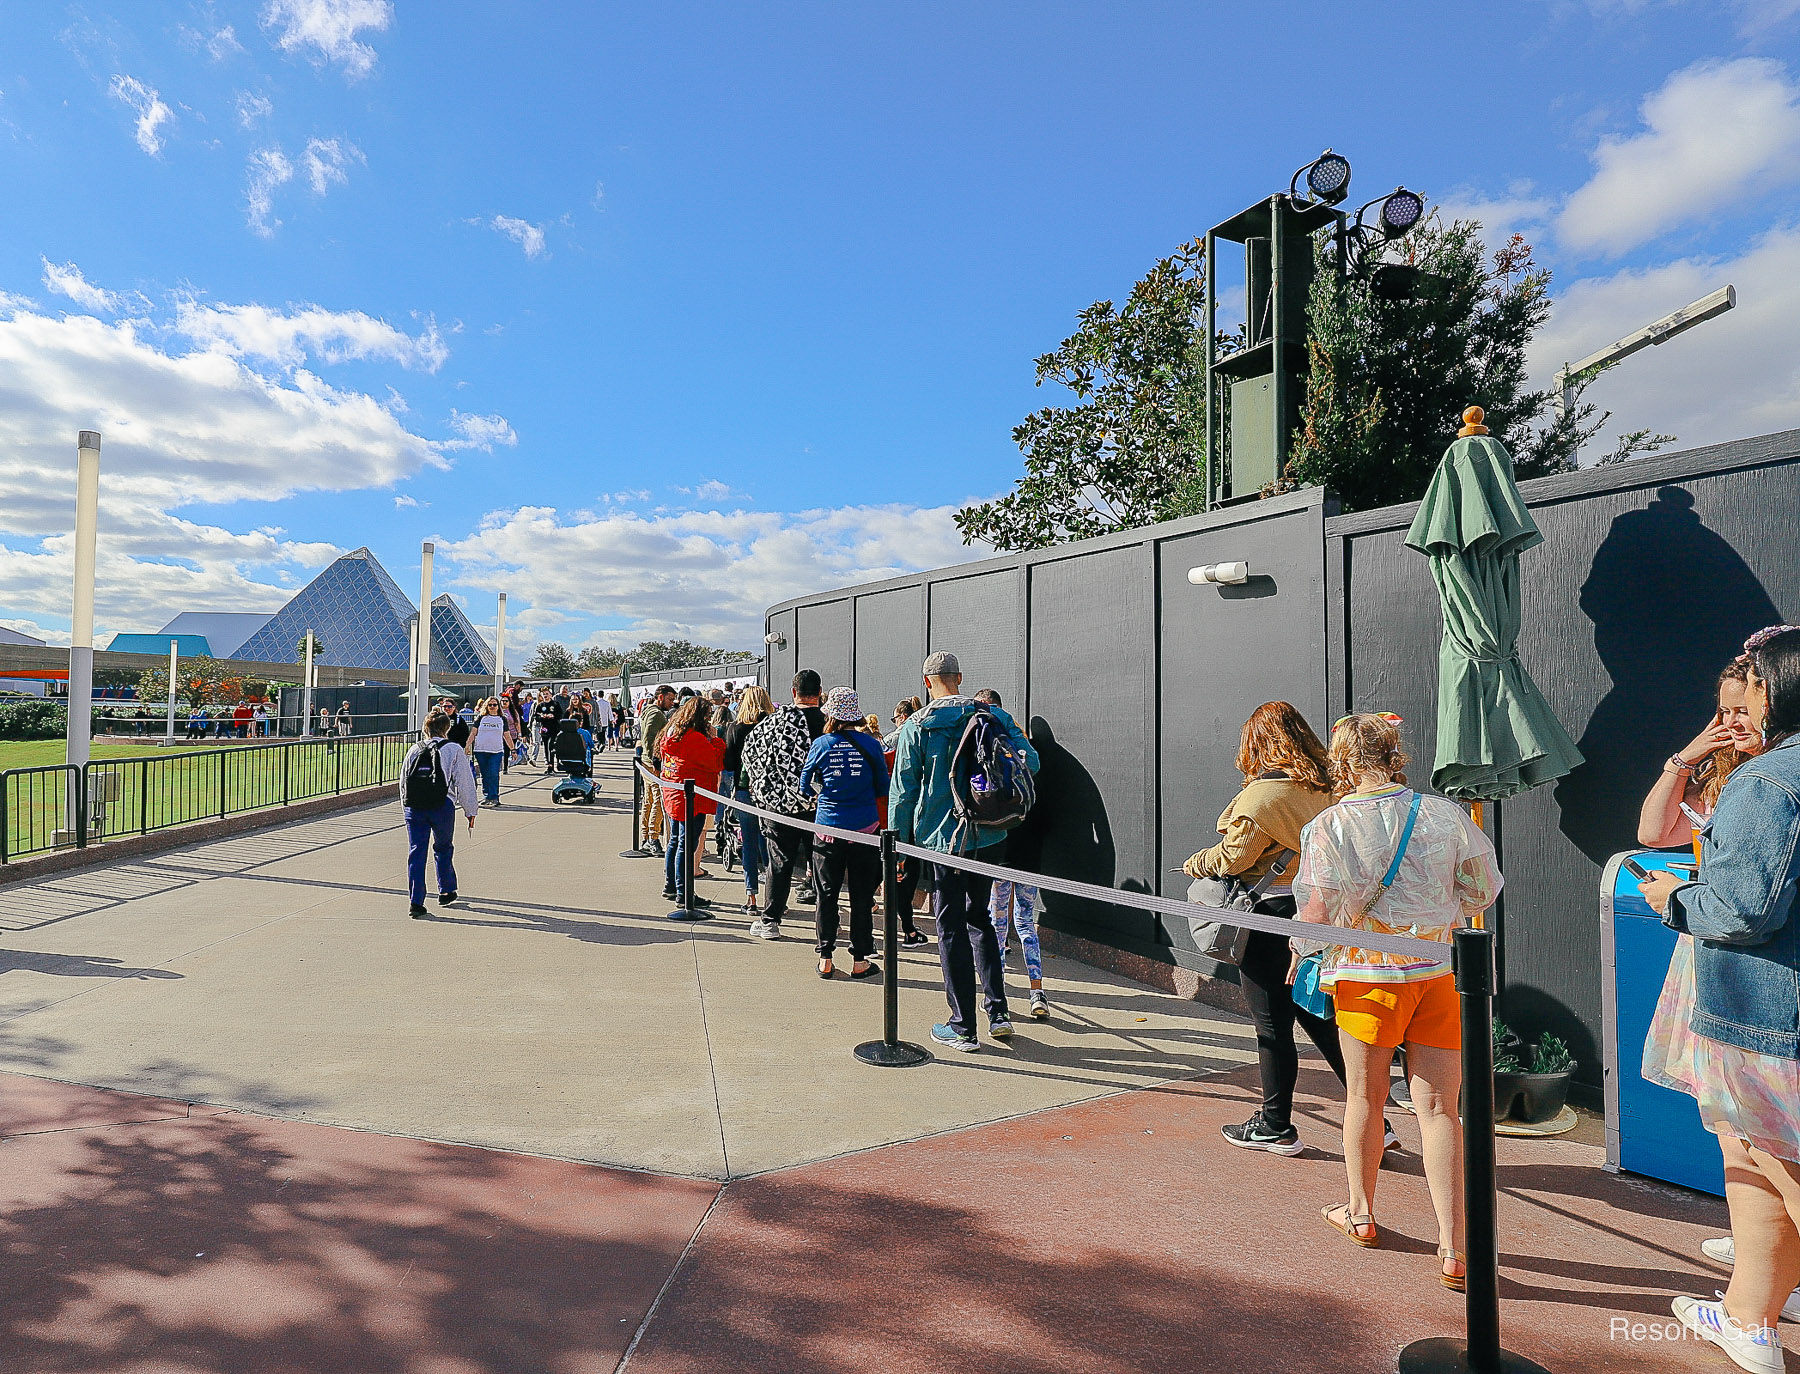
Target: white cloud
(705, 575)
(528, 236)
(600, 186)
(1713, 134)
(178, 429)
(252, 109)
(152, 114)
(67, 280)
(223, 43)
(1520, 211)
(1732, 376)
(269, 169)
(404, 502)
(289, 337)
(326, 160)
(479, 431)
(326, 30)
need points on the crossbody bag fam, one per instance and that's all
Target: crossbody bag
(1308, 995)
(1218, 940)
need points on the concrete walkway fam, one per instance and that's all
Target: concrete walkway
(1063, 1204)
(554, 1010)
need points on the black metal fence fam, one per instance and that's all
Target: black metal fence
(58, 806)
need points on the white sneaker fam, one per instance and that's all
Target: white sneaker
(1722, 1251)
(1757, 1349)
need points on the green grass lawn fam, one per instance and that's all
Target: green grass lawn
(135, 787)
(35, 753)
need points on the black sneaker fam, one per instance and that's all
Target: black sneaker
(418, 913)
(1257, 1134)
(669, 894)
(445, 898)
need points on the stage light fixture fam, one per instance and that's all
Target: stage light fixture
(1327, 178)
(1400, 211)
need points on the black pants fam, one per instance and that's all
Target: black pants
(967, 946)
(832, 862)
(906, 883)
(789, 848)
(1262, 973)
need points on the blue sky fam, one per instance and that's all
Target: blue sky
(655, 315)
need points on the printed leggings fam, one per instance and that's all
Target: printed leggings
(1016, 903)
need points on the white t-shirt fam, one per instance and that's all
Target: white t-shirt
(490, 735)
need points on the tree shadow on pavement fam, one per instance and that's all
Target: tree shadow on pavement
(231, 1244)
(792, 1274)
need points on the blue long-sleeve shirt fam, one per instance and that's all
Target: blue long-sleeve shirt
(849, 772)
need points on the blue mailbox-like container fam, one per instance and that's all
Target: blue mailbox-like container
(1650, 1129)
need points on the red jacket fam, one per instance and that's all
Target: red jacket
(695, 755)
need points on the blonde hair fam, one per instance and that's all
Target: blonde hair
(1365, 743)
(754, 705)
(872, 724)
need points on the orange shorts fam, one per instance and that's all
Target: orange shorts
(1391, 1014)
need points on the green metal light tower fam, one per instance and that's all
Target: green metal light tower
(1253, 396)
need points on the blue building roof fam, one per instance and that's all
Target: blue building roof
(188, 646)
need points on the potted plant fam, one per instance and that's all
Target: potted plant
(1530, 1084)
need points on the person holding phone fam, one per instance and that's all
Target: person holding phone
(1693, 776)
(1740, 1060)
(1680, 803)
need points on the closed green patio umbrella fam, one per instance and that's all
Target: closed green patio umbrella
(1496, 735)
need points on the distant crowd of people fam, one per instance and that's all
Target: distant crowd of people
(1329, 834)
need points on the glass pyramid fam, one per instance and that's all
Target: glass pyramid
(456, 645)
(358, 612)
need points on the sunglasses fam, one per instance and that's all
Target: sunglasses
(1388, 716)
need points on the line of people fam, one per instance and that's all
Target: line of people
(822, 759)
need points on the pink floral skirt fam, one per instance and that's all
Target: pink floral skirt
(1754, 1096)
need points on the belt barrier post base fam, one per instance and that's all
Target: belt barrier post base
(890, 1052)
(637, 850)
(687, 911)
(1480, 1352)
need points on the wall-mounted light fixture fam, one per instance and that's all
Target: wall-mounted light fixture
(1233, 573)
(777, 638)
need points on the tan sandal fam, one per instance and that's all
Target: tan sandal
(1351, 1224)
(1456, 1283)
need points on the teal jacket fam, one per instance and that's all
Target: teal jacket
(921, 809)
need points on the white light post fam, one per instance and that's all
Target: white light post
(422, 671)
(412, 673)
(500, 648)
(306, 691)
(174, 667)
(78, 736)
(1651, 335)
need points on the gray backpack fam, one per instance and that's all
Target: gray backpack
(1217, 940)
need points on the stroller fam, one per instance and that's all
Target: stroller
(573, 751)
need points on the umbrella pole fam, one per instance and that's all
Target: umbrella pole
(1479, 919)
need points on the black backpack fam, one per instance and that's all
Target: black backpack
(426, 786)
(991, 784)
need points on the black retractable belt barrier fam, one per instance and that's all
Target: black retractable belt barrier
(890, 1052)
(1480, 1353)
(637, 850)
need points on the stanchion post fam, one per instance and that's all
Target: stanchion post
(890, 1052)
(1480, 1353)
(637, 850)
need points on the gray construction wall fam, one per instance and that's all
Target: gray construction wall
(1135, 682)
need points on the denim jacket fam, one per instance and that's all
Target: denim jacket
(1741, 910)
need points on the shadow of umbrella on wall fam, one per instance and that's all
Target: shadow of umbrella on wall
(1496, 735)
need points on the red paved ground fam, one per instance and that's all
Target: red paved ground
(1118, 1235)
(1125, 1235)
(229, 1243)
